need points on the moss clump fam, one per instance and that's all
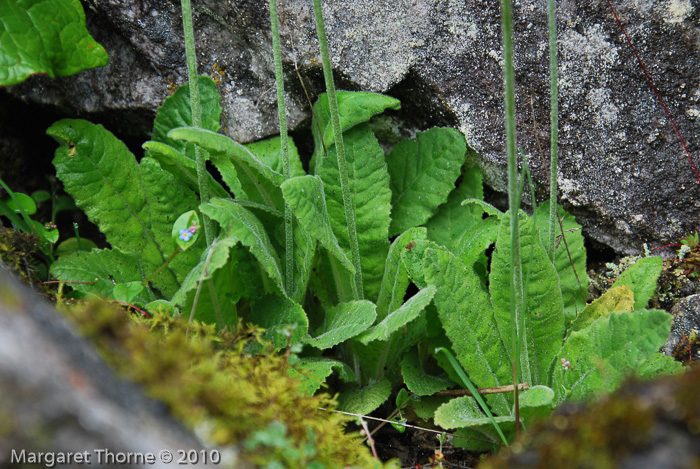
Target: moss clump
(18, 252)
(226, 395)
(651, 421)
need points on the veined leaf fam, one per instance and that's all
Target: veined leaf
(176, 112)
(611, 348)
(618, 299)
(423, 172)
(306, 197)
(101, 269)
(45, 36)
(570, 288)
(395, 278)
(313, 371)
(285, 322)
(269, 152)
(354, 107)
(641, 277)
(543, 319)
(463, 412)
(413, 259)
(418, 381)
(364, 400)
(467, 316)
(344, 321)
(181, 167)
(452, 219)
(371, 196)
(133, 205)
(239, 223)
(400, 317)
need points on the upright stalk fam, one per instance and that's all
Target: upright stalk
(196, 113)
(340, 149)
(282, 112)
(554, 118)
(516, 291)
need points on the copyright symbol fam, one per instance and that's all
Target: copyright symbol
(166, 456)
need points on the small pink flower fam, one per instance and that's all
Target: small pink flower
(566, 364)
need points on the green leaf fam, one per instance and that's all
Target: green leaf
(186, 230)
(413, 256)
(641, 277)
(343, 321)
(543, 316)
(395, 278)
(240, 223)
(423, 172)
(365, 400)
(125, 292)
(269, 151)
(574, 301)
(417, 380)
(354, 107)
(452, 219)
(313, 371)
(618, 299)
(400, 317)
(24, 201)
(659, 365)
(464, 412)
(476, 239)
(306, 197)
(176, 112)
(369, 183)
(45, 36)
(535, 403)
(467, 316)
(611, 348)
(101, 270)
(133, 205)
(73, 245)
(284, 321)
(41, 196)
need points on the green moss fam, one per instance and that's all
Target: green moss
(210, 383)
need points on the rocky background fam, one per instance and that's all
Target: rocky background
(623, 170)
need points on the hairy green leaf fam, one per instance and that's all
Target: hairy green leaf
(618, 299)
(313, 371)
(371, 196)
(417, 380)
(241, 224)
(343, 321)
(364, 400)
(285, 322)
(400, 317)
(611, 348)
(133, 205)
(572, 291)
(543, 319)
(423, 172)
(453, 219)
(354, 108)
(468, 319)
(100, 270)
(45, 36)
(641, 277)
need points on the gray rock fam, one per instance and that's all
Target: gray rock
(623, 171)
(686, 321)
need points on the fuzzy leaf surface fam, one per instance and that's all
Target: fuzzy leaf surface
(570, 289)
(279, 315)
(423, 172)
(364, 400)
(133, 205)
(467, 316)
(417, 380)
(409, 311)
(617, 299)
(641, 277)
(343, 321)
(369, 185)
(604, 353)
(313, 371)
(543, 321)
(45, 36)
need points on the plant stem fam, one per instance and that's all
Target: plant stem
(196, 113)
(516, 291)
(160, 269)
(554, 118)
(282, 112)
(340, 150)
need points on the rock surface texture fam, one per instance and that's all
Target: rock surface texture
(623, 170)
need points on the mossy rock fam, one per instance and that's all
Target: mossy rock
(229, 397)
